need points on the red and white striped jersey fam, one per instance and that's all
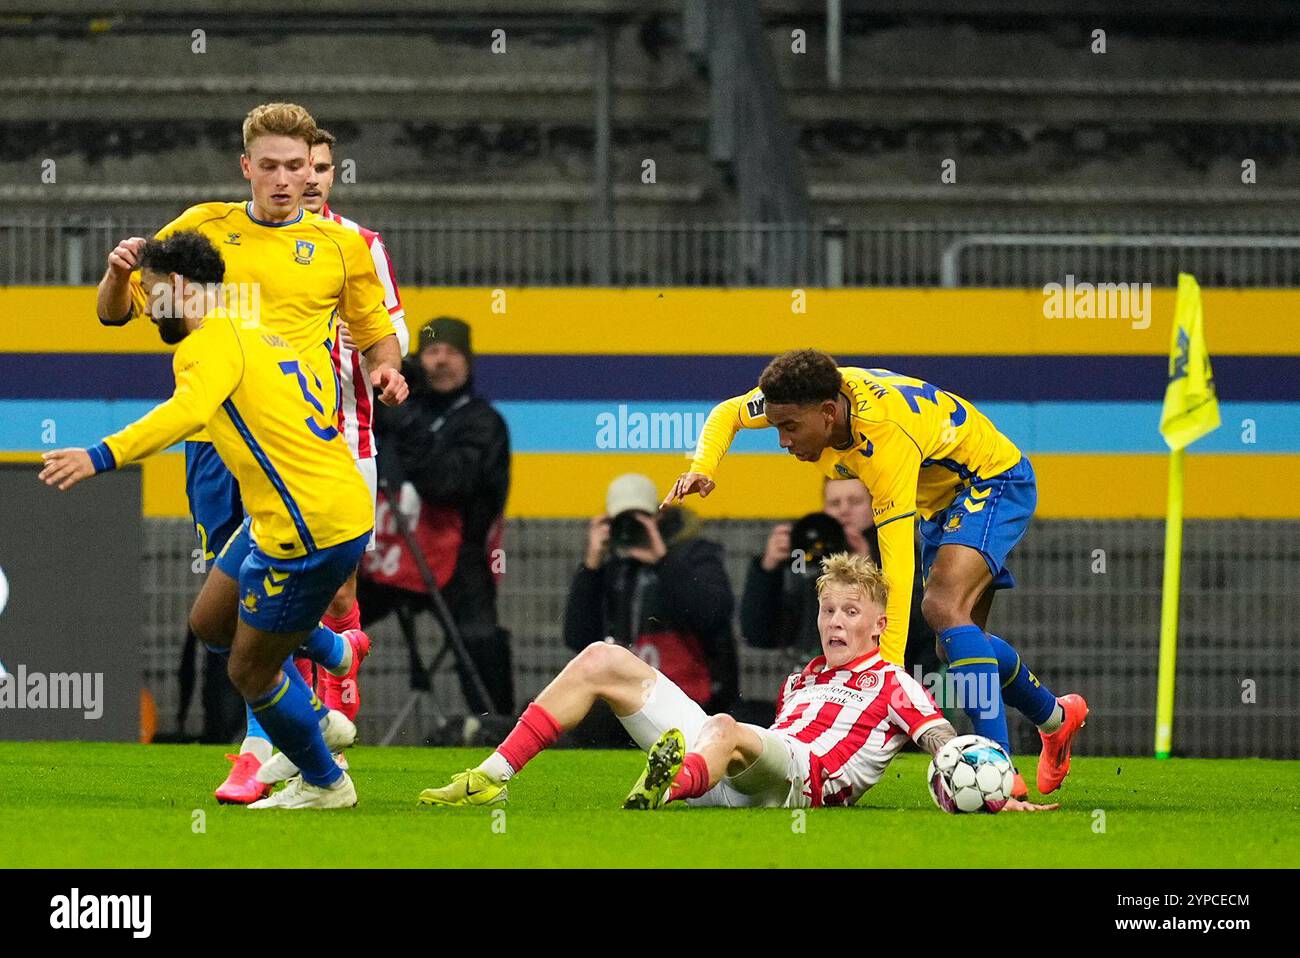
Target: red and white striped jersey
(852, 721)
(356, 395)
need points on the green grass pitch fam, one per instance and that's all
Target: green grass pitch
(68, 804)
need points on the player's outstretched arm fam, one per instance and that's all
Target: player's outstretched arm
(113, 299)
(66, 467)
(687, 483)
(725, 420)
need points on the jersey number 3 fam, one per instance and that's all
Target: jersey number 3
(291, 367)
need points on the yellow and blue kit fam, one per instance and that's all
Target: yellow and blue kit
(297, 279)
(270, 418)
(919, 451)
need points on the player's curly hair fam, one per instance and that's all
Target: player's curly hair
(801, 377)
(279, 119)
(189, 253)
(324, 137)
(851, 569)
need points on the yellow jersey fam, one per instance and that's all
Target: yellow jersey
(912, 445)
(294, 278)
(265, 410)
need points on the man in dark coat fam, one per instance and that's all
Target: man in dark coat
(448, 451)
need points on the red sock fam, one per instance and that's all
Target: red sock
(537, 729)
(341, 623)
(692, 781)
(305, 667)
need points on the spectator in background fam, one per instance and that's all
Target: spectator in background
(649, 583)
(448, 451)
(774, 605)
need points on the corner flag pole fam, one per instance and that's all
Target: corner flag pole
(1169, 606)
(1190, 411)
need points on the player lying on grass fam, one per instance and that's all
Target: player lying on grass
(924, 455)
(839, 721)
(309, 511)
(303, 275)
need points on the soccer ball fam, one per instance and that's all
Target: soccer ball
(970, 774)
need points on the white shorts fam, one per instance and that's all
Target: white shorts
(777, 780)
(370, 472)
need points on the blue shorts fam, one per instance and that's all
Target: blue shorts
(990, 516)
(287, 595)
(215, 503)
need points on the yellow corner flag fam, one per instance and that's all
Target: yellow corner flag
(1191, 411)
(1191, 407)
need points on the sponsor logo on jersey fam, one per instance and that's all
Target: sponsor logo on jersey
(304, 252)
(845, 471)
(232, 239)
(756, 406)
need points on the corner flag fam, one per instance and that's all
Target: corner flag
(1191, 406)
(1191, 411)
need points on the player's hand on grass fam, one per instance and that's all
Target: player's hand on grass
(687, 483)
(1016, 805)
(390, 385)
(66, 467)
(777, 551)
(125, 256)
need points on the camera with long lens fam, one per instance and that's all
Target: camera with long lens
(626, 532)
(813, 538)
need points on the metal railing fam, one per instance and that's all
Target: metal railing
(70, 250)
(1023, 259)
(1080, 630)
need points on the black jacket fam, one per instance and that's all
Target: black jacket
(761, 610)
(688, 590)
(454, 448)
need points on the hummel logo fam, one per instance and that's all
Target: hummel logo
(273, 584)
(976, 494)
(232, 239)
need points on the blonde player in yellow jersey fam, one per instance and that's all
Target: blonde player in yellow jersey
(309, 511)
(297, 273)
(930, 457)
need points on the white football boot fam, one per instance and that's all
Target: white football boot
(339, 733)
(299, 794)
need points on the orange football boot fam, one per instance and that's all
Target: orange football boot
(1054, 762)
(241, 786)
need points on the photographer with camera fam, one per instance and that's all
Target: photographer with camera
(444, 455)
(778, 608)
(649, 583)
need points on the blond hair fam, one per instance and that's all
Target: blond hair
(856, 571)
(279, 119)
